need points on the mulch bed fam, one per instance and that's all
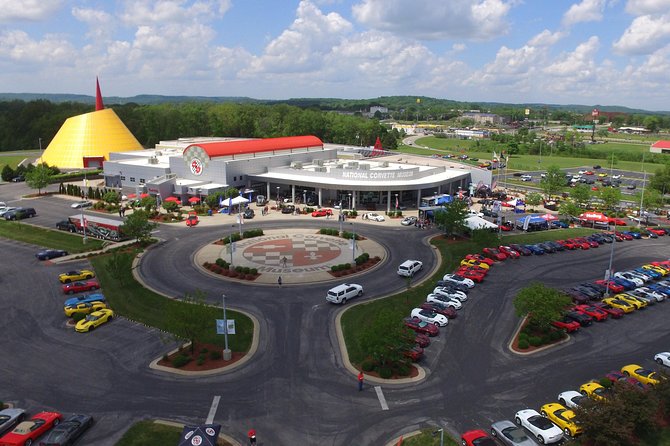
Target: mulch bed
(372, 261)
(413, 374)
(208, 364)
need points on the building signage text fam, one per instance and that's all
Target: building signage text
(374, 175)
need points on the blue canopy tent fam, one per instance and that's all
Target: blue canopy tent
(532, 223)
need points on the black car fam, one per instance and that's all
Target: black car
(547, 248)
(249, 213)
(489, 213)
(20, 213)
(583, 319)
(288, 209)
(66, 225)
(557, 246)
(600, 289)
(68, 430)
(597, 167)
(521, 249)
(49, 254)
(453, 286)
(589, 292)
(576, 296)
(18, 179)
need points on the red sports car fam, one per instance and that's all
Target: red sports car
(589, 172)
(618, 222)
(623, 235)
(322, 213)
(474, 275)
(480, 258)
(439, 309)
(566, 324)
(80, 286)
(509, 252)
(421, 327)
(506, 226)
(477, 438)
(615, 313)
(422, 341)
(493, 253)
(26, 432)
(590, 310)
(659, 232)
(567, 244)
(415, 353)
(612, 286)
(591, 243)
(192, 219)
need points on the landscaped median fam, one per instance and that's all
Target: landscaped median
(356, 320)
(48, 238)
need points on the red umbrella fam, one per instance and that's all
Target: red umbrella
(549, 217)
(144, 195)
(171, 198)
(131, 195)
(194, 200)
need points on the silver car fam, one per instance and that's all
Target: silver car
(10, 417)
(511, 434)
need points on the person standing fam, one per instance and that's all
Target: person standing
(360, 381)
(279, 281)
(252, 437)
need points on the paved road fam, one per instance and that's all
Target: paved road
(296, 390)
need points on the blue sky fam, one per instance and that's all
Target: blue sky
(591, 52)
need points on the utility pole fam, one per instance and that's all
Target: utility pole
(227, 354)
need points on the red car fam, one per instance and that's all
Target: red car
(612, 286)
(580, 244)
(421, 327)
(615, 313)
(566, 324)
(591, 243)
(506, 226)
(322, 213)
(658, 232)
(480, 258)
(192, 219)
(509, 252)
(415, 353)
(567, 244)
(422, 341)
(26, 432)
(624, 236)
(493, 253)
(80, 286)
(439, 309)
(617, 222)
(589, 172)
(589, 310)
(471, 273)
(477, 438)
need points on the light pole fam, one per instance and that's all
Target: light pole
(40, 142)
(396, 203)
(231, 247)
(349, 202)
(304, 197)
(227, 354)
(277, 197)
(339, 217)
(441, 432)
(353, 243)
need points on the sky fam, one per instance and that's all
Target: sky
(589, 52)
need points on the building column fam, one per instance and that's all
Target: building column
(353, 199)
(293, 193)
(418, 198)
(320, 195)
(439, 189)
(267, 193)
(388, 202)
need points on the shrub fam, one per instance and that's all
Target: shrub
(523, 344)
(238, 269)
(200, 361)
(220, 262)
(180, 361)
(523, 336)
(535, 341)
(385, 373)
(368, 365)
(329, 231)
(346, 266)
(555, 335)
(215, 355)
(204, 350)
(165, 357)
(546, 339)
(253, 271)
(246, 270)
(335, 268)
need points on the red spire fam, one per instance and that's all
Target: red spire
(378, 149)
(98, 97)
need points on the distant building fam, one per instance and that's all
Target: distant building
(483, 118)
(633, 130)
(660, 147)
(376, 108)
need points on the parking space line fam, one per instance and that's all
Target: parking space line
(212, 410)
(382, 400)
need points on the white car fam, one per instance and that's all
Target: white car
(526, 178)
(545, 431)
(645, 278)
(571, 399)
(646, 292)
(374, 217)
(430, 316)
(448, 301)
(628, 276)
(3, 211)
(81, 204)
(662, 358)
(455, 278)
(582, 172)
(342, 293)
(409, 267)
(617, 177)
(444, 291)
(473, 212)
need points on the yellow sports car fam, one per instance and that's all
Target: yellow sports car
(659, 269)
(72, 276)
(562, 417)
(637, 303)
(83, 307)
(594, 391)
(473, 262)
(620, 304)
(94, 320)
(645, 376)
(602, 174)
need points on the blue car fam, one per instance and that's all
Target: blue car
(559, 224)
(634, 234)
(627, 284)
(648, 272)
(660, 288)
(546, 247)
(538, 251)
(95, 297)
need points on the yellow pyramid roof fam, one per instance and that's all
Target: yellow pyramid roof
(92, 134)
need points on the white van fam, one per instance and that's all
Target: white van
(409, 267)
(342, 293)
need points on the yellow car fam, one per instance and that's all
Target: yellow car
(620, 304)
(83, 307)
(472, 262)
(73, 276)
(562, 417)
(637, 303)
(645, 376)
(602, 174)
(93, 320)
(594, 391)
(659, 269)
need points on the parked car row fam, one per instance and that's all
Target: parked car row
(93, 306)
(50, 428)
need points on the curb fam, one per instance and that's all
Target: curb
(537, 350)
(225, 437)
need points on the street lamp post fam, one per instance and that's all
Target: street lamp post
(441, 432)
(277, 197)
(40, 142)
(349, 202)
(227, 354)
(353, 243)
(304, 197)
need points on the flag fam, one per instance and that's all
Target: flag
(396, 202)
(220, 200)
(495, 157)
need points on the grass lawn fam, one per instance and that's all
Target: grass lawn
(16, 230)
(12, 160)
(148, 433)
(130, 299)
(357, 317)
(426, 438)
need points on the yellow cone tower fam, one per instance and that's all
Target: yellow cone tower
(86, 140)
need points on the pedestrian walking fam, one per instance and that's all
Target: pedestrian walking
(252, 437)
(284, 261)
(279, 281)
(360, 381)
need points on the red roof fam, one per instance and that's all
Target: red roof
(662, 144)
(227, 148)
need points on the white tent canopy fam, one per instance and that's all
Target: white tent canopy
(474, 222)
(235, 201)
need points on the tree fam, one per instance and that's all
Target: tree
(569, 208)
(581, 194)
(7, 173)
(39, 177)
(659, 181)
(553, 182)
(187, 323)
(385, 338)
(138, 226)
(541, 304)
(611, 197)
(533, 199)
(651, 199)
(451, 219)
(111, 197)
(170, 206)
(606, 423)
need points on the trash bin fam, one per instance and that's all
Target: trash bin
(209, 212)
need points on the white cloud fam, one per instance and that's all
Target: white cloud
(430, 20)
(586, 11)
(644, 35)
(11, 10)
(144, 12)
(546, 38)
(20, 47)
(101, 24)
(641, 7)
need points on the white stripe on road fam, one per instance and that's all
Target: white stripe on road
(382, 400)
(212, 410)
